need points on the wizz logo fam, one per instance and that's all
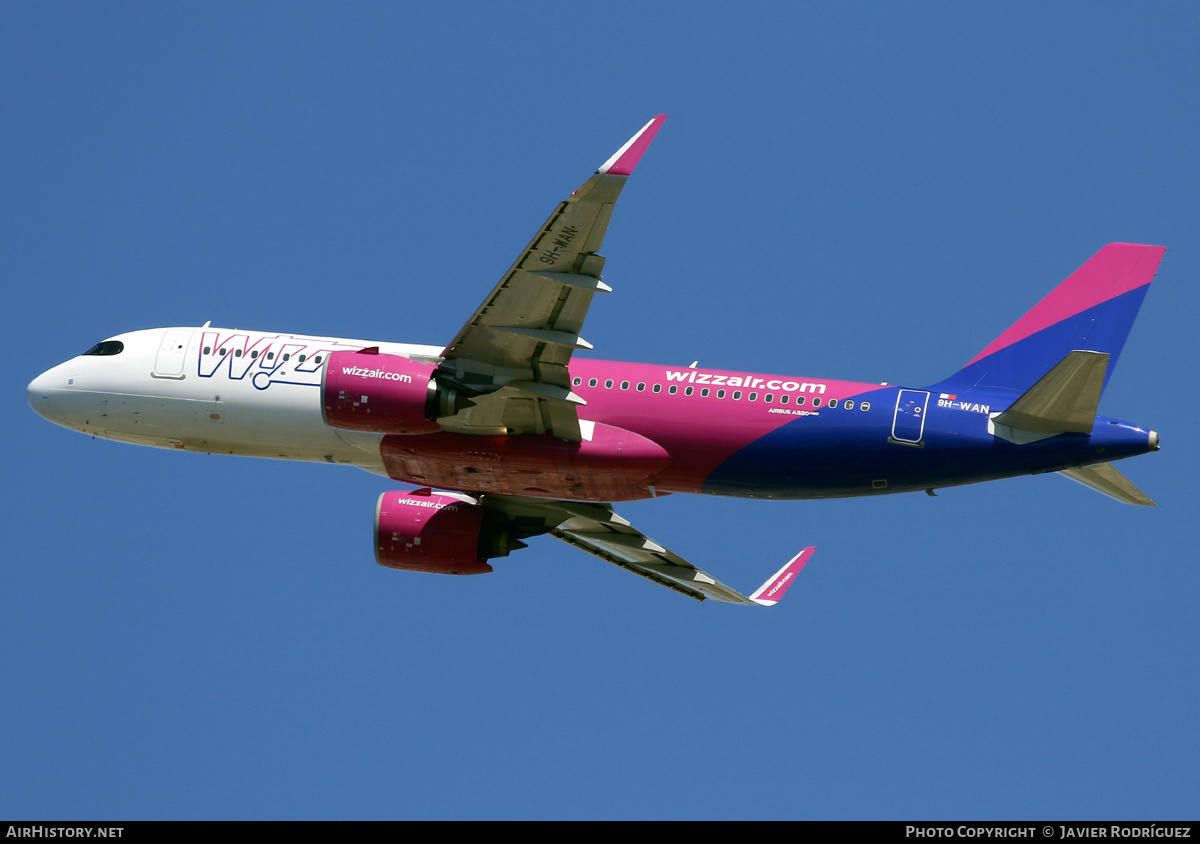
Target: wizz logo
(266, 359)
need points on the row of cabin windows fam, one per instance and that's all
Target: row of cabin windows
(237, 353)
(768, 398)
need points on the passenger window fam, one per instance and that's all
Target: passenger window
(208, 350)
(302, 357)
(752, 397)
(592, 382)
(833, 402)
(624, 385)
(816, 402)
(254, 354)
(848, 404)
(800, 399)
(641, 386)
(658, 388)
(768, 398)
(237, 353)
(608, 384)
(720, 394)
(865, 406)
(687, 391)
(737, 394)
(576, 381)
(784, 398)
(673, 390)
(704, 393)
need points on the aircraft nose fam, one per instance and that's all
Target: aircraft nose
(38, 395)
(49, 397)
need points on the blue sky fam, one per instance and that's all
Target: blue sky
(860, 191)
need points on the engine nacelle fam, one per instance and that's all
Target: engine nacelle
(383, 394)
(442, 534)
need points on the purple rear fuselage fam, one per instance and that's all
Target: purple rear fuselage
(845, 439)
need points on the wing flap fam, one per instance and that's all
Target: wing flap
(583, 282)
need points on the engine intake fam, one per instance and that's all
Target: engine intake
(384, 394)
(442, 534)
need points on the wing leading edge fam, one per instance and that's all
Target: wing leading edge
(511, 356)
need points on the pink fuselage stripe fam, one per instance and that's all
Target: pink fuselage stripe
(1115, 269)
(700, 432)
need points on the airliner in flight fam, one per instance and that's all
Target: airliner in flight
(507, 434)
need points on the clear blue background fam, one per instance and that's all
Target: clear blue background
(861, 191)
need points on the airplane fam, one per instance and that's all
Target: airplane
(507, 435)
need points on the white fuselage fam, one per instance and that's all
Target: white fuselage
(212, 390)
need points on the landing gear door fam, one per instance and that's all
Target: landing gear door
(171, 352)
(908, 425)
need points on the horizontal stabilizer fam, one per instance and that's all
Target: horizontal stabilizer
(1064, 400)
(1102, 477)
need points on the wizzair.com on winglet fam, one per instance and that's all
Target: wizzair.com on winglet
(507, 434)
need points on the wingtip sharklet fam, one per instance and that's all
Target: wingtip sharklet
(626, 158)
(771, 592)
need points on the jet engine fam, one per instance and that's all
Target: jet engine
(384, 394)
(442, 534)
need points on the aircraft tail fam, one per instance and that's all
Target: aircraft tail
(1093, 310)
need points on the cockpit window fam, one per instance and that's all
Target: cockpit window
(108, 347)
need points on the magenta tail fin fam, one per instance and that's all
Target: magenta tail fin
(1093, 310)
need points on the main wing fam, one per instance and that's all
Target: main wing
(597, 529)
(510, 359)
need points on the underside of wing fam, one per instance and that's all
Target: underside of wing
(510, 359)
(598, 530)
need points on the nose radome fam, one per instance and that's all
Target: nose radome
(38, 393)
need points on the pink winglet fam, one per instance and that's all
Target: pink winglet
(1115, 269)
(627, 157)
(771, 592)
